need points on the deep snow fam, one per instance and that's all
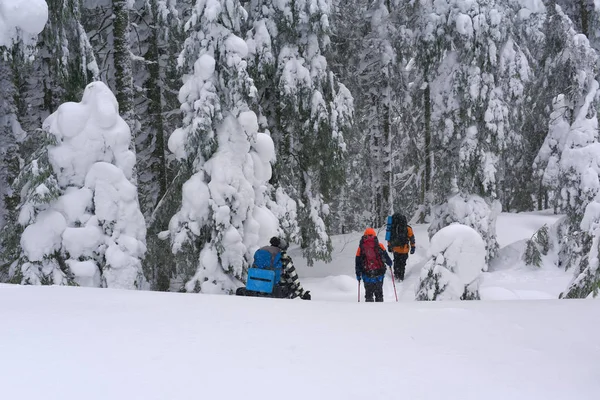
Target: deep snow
(79, 343)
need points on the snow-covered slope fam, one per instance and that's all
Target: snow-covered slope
(74, 343)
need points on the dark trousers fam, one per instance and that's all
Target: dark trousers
(373, 289)
(279, 292)
(400, 265)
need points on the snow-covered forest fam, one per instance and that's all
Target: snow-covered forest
(156, 144)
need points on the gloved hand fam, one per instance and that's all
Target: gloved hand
(390, 250)
(358, 277)
(306, 295)
(412, 250)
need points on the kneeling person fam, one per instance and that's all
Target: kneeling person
(289, 284)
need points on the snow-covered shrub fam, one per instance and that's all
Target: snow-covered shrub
(473, 211)
(537, 246)
(456, 257)
(81, 217)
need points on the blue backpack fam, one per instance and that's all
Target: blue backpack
(266, 270)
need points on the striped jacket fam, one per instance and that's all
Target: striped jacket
(289, 277)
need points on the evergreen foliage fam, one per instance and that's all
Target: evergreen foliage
(445, 110)
(537, 246)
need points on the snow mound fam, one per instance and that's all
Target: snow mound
(473, 211)
(87, 133)
(26, 16)
(456, 259)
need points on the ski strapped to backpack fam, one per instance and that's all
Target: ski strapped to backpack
(397, 230)
(371, 253)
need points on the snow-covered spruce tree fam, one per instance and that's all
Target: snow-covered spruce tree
(425, 53)
(20, 22)
(586, 16)
(10, 134)
(63, 64)
(566, 160)
(305, 108)
(157, 29)
(382, 85)
(578, 175)
(351, 210)
(80, 214)
(537, 246)
(475, 94)
(158, 33)
(224, 161)
(568, 64)
(457, 257)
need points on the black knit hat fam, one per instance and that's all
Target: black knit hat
(277, 242)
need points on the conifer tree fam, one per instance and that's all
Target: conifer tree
(79, 220)
(305, 108)
(224, 161)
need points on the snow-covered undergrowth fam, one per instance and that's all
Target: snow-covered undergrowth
(508, 278)
(80, 343)
(456, 260)
(21, 18)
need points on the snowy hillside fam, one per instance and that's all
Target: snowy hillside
(74, 343)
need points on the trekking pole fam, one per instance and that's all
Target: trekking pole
(359, 291)
(394, 283)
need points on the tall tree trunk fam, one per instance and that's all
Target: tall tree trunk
(386, 189)
(584, 14)
(122, 62)
(426, 186)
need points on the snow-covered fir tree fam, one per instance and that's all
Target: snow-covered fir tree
(158, 29)
(10, 135)
(20, 23)
(472, 77)
(566, 160)
(222, 216)
(79, 215)
(304, 107)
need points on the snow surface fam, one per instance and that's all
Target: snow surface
(21, 16)
(154, 345)
(81, 343)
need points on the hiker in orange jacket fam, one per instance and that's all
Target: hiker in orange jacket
(401, 253)
(370, 261)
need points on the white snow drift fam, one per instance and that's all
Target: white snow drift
(21, 18)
